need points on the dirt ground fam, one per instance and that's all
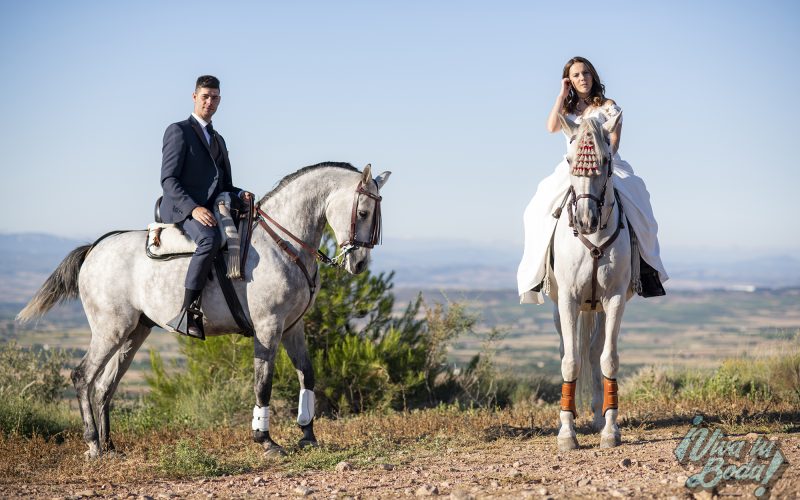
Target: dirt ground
(507, 467)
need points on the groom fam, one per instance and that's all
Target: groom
(195, 169)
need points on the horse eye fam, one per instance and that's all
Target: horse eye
(363, 214)
(571, 139)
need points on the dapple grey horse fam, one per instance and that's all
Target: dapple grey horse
(124, 292)
(590, 280)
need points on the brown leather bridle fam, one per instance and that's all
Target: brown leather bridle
(595, 251)
(375, 228)
(264, 220)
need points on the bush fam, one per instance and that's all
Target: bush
(31, 386)
(364, 358)
(775, 378)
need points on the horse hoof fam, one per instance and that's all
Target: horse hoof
(274, 451)
(91, 455)
(307, 443)
(611, 441)
(567, 443)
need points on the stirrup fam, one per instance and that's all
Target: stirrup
(188, 322)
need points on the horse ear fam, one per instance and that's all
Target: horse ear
(367, 174)
(611, 124)
(382, 178)
(569, 126)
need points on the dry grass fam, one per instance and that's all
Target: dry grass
(363, 440)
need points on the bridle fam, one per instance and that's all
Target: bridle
(263, 219)
(375, 228)
(595, 251)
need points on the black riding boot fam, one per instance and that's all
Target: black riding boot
(651, 283)
(190, 320)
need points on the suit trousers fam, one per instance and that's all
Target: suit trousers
(208, 242)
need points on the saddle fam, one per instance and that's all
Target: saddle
(168, 241)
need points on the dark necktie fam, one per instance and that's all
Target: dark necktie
(213, 143)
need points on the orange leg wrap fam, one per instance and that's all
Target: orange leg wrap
(568, 397)
(610, 398)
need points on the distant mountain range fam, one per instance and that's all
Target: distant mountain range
(27, 259)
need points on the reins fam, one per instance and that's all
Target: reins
(596, 252)
(263, 219)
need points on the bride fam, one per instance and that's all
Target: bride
(582, 95)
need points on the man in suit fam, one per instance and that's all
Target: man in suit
(195, 169)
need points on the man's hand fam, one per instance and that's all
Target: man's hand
(204, 216)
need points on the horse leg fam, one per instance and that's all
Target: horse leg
(294, 342)
(570, 367)
(106, 384)
(266, 339)
(609, 364)
(595, 350)
(101, 348)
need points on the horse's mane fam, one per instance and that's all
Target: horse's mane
(289, 178)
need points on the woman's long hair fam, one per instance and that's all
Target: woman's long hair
(596, 94)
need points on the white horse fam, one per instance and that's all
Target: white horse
(125, 293)
(589, 280)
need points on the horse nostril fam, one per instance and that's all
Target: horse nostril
(594, 221)
(360, 266)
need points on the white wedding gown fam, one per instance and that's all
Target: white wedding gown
(540, 224)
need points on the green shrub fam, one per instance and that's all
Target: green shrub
(364, 358)
(31, 386)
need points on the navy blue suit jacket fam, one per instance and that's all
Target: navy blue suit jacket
(189, 175)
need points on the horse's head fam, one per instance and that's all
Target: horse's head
(590, 159)
(354, 213)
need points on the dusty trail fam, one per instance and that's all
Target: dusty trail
(643, 467)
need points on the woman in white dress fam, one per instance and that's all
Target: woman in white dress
(583, 95)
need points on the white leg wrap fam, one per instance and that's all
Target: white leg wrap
(261, 418)
(305, 409)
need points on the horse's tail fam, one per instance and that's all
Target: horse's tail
(587, 323)
(60, 286)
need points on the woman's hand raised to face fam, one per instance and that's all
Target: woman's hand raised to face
(565, 86)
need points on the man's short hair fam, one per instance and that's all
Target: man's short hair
(207, 81)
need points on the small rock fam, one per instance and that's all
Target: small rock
(584, 482)
(555, 467)
(516, 465)
(344, 466)
(494, 484)
(515, 474)
(386, 466)
(86, 494)
(616, 493)
(681, 479)
(144, 497)
(704, 494)
(258, 481)
(625, 462)
(543, 491)
(426, 490)
(459, 494)
(303, 491)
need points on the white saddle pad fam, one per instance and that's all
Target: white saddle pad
(166, 241)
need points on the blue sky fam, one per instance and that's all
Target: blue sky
(449, 96)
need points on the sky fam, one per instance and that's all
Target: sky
(450, 96)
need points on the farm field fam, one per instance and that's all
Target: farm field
(683, 329)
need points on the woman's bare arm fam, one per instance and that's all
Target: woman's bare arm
(553, 124)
